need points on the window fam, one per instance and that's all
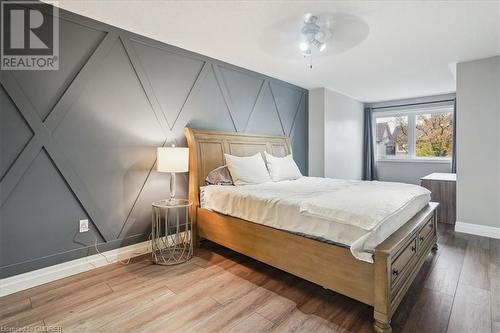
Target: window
(414, 134)
(434, 134)
(392, 136)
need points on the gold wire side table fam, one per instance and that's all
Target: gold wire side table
(171, 236)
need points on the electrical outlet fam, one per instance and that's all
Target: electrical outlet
(84, 225)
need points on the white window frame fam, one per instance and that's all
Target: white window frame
(411, 112)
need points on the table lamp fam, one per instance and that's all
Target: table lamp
(174, 160)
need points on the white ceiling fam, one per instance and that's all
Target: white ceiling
(381, 50)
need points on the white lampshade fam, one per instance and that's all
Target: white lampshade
(172, 159)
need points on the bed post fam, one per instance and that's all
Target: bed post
(382, 304)
(194, 197)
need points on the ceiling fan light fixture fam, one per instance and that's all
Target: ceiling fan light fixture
(312, 35)
(304, 46)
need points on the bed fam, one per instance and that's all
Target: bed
(379, 279)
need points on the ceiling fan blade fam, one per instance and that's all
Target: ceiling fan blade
(342, 32)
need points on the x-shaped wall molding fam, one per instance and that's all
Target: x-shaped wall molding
(43, 130)
(43, 134)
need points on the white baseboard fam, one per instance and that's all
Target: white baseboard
(40, 276)
(476, 229)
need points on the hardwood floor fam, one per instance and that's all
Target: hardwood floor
(457, 290)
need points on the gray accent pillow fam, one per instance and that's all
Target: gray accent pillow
(219, 176)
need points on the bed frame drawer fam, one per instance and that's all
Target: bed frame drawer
(427, 232)
(400, 264)
(403, 264)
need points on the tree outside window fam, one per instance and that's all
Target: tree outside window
(434, 134)
(422, 134)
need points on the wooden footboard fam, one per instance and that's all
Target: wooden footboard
(397, 261)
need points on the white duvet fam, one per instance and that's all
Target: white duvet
(356, 214)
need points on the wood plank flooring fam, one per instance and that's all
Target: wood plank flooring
(457, 290)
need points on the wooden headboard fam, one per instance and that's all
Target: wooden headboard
(207, 149)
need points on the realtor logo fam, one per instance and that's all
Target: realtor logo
(30, 36)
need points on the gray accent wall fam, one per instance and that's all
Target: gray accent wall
(81, 142)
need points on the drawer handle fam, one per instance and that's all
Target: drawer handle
(421, 238)
(395, 272)
(413, 249)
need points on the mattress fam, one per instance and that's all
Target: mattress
(355, 214)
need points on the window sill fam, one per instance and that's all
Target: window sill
(414, 160)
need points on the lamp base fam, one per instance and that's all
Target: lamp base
(172, 186)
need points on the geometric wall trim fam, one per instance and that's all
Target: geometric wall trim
(46, 215)
(243, 91)
(208, 96)
(14, 131)
(264, 118)
(113, 151)
(299, 129)
(80, 142)
(45, 88)
(171, 75)
(287, 102)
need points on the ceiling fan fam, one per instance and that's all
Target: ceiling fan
(319, 35)
(313, 36)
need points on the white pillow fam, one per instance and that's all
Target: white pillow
(247, 170)
(282, 168)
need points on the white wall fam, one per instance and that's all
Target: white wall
(335, 135)
(316, 132)
(343, 136)
(478, 142)
(409, 172)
